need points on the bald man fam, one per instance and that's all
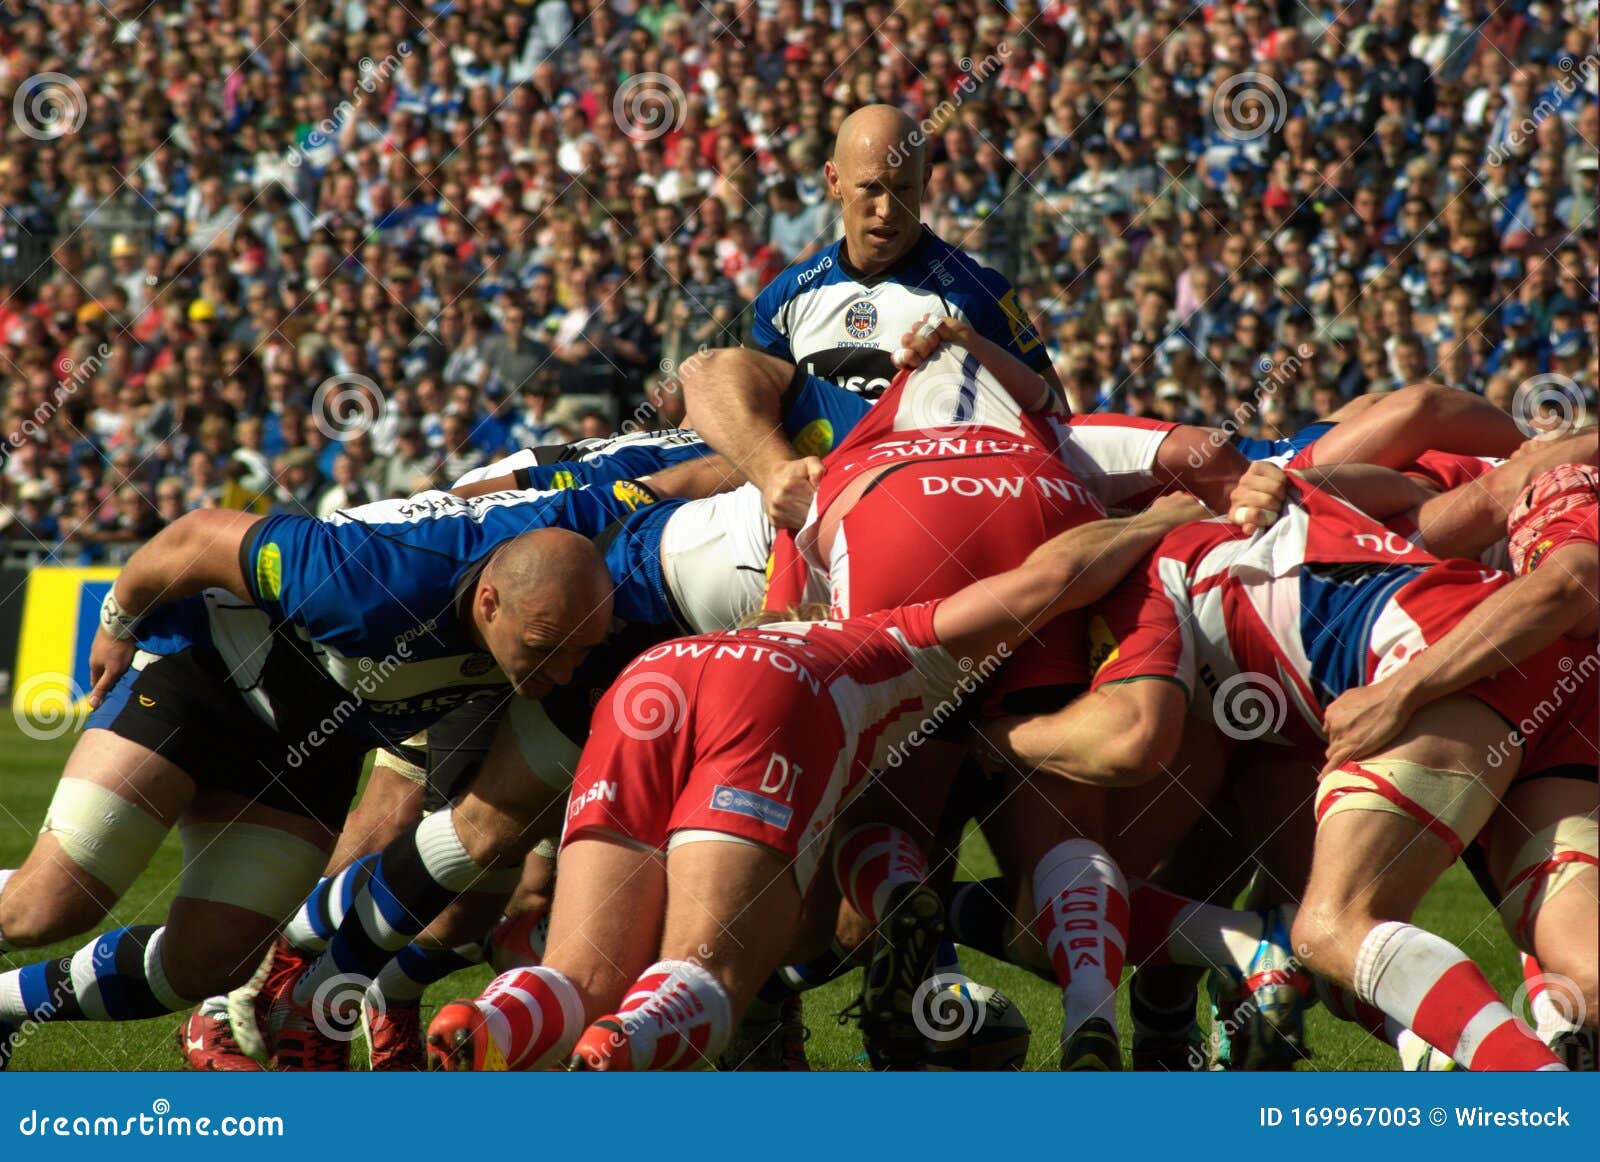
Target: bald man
(243, 668)
(840, 313)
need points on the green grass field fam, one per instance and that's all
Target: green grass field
(28, 770)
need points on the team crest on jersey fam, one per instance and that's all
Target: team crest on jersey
(635, 496)
(477, 665)
(815, 439)
(269, 571)
(1538, 554)
(861, 320)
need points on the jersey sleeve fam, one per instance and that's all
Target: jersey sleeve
(766, 333)
(1114, 456)
(1142, 630)
(293, 565)
(821, 415)
(991, 306)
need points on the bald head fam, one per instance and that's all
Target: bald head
(543, 601)
(876, 173)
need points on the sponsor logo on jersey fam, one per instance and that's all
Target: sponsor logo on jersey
(1103, 648)
(861, 320)
(815, 439)
(635, 496)
(1539, 552)
(736, 801)
(601, 790)
(269, 571)
(1023, 336)
(477, 665)
(822, 267)
(562, 478)
(146, 701)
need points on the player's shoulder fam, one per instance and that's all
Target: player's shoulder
(809, 274)
(958, 274)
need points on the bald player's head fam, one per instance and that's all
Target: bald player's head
(877, 175)
(541, 604)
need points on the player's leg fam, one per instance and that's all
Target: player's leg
(732, 909)
(605, 928)
(1388, 828)
(1543, 856)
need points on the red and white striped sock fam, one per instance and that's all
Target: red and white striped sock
(1082, 921)
(1165, 928)
(676, 1016)
(534, 1016)
(1431, 987)
(1552, 1008)
(872, 861)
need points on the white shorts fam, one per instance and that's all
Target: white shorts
(714, 557)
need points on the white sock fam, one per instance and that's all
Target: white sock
(1082, 906)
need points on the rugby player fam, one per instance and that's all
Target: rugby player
(839, 314)
(708, 797)
(237, 691)
(1324, 601)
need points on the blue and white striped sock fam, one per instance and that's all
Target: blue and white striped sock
(405, 978)
(310, 929)
(117, 977)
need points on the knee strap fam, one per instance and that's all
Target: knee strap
(106, 835)
(408, 759)
(1548, 861)
(1451, 805)
(260, 869)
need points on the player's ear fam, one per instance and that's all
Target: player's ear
(486, 602)
(830, 174)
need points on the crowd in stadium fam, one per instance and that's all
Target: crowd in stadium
(477, 212)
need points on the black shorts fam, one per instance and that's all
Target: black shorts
(184, 708)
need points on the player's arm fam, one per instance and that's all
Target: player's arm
(1422, 417)
(1466, 521)
(1258, 500)
(1070, 571)
(1512, 624)
(1117, 735)
(736, 399)
(198, 551)
(694, 479)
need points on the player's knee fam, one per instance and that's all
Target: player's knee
(1319, 932)
(32, 915)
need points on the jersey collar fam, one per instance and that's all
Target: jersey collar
(889, 271)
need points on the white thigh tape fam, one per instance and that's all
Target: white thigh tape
(106, 835)
(258, 868)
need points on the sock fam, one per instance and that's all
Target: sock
(116, 977)
(1083, 924)
(979, 918)
(1161, 1001)
(1344, 1004)
(534, 1016)
(416, 877)
(676, 1016)
(5, 874)
(793, 979)
(310, 928)
(216, 1007)
(406, 977)
(1430, 986)
(1170, 929)
(1551, 1009)
(871, 862)
(518, 942)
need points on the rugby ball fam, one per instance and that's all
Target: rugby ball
(972, 1028)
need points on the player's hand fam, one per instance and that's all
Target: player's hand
(1361, 720)
(789, 491)
(1259, 497)
(1177, 508)
(109, 659)
(919, 343)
